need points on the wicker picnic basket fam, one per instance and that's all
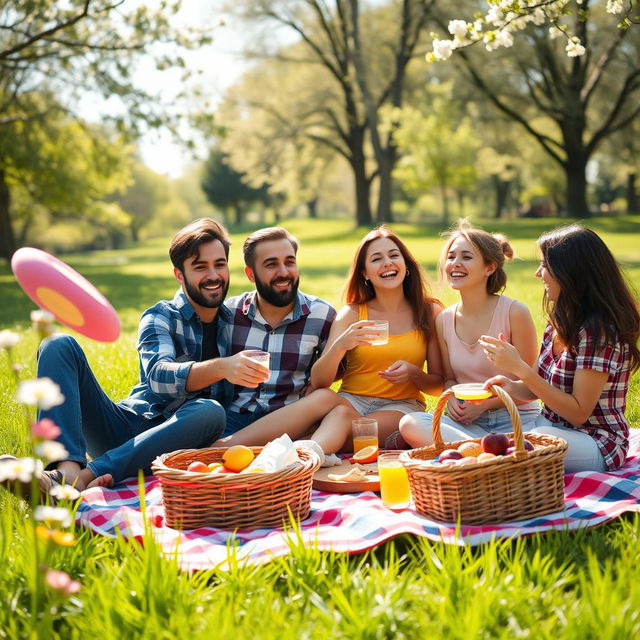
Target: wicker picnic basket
(234, 501)
(506, 488)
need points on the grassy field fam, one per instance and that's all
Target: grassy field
(561, 585)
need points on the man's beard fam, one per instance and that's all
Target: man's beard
(204, 298)
(273, 296)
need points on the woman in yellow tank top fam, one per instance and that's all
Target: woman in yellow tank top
(383, 382)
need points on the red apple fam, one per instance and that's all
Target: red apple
(495, 443)
(198, 467)
(450, 454)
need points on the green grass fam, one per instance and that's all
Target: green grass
(557, 585)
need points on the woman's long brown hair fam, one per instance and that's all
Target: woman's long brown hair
(593, 290)
(415, 285)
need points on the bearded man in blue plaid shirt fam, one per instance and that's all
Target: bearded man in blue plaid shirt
(173, 405)
(291, 326)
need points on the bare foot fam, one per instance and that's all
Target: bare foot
(105, 480)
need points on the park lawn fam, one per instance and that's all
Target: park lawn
(558, 585)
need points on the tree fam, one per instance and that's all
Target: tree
(225, 187)
(439, 149)
(143, 198)
(586, 97)
(368, 69)
(52, 53)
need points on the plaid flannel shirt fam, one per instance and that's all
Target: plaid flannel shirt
(169, 342)
(607, 424)
(294, 346)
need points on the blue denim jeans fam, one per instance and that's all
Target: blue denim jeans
(493, 420)
(120, 441)
(237, 421)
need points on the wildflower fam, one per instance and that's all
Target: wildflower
(45, 429)
(61, 582)
(63, 538)
(8, 339)
(555, 32)
(42, 392)
(51, 450)
(21, 469)
(53, 514)
(574, 48)
(64, 492)
(43, 322)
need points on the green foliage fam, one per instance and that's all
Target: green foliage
(567, 584)
(226, 188)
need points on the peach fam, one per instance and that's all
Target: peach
(470, 449)
(495, 443)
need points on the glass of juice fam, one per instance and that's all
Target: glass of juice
(381, 327)
(394, 481)
(365, 433)
(471, 391)
(261, 357)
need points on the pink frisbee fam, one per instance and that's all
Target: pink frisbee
(72, 299)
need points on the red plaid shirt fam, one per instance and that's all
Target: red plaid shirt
(607, 424)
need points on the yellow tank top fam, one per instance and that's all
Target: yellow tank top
(363, 363)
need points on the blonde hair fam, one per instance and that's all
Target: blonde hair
(493, 247)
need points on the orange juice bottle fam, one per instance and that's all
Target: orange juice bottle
(394, 482)
(360, 442)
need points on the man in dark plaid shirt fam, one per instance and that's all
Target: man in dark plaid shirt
(277, 318)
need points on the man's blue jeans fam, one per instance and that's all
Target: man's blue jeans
(120, 441)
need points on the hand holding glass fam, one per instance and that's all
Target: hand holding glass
(381, 327)
(260, 357)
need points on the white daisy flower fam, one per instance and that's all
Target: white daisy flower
(51, 450)
(8, 339)
(53, 514)
(41, 392)
(64, 492)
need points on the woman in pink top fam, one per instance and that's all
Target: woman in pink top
(472, 261)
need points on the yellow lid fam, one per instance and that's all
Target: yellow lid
(471, 391)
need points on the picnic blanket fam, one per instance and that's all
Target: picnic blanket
(349, 522)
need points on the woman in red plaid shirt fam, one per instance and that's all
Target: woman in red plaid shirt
(589, 350)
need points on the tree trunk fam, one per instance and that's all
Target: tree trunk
(312, 207)
(575, 171)
(7, 238)
(445, 205)
(135, 236)
(386, 161)
(362, 185)
(633, 202)
(237, 208)
(502, 191)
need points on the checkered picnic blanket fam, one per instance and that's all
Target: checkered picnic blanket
(349, 522)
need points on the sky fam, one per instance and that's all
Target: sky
(222, 64)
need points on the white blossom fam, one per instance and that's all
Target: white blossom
(504, 39)
(21, 469)
(8, 339)
(554, 32)
(458, 28)
(51, 450)
(615, 6)
(442, 49)
(574, 48)
(64, 492)
(42, 392)
(53, 514)
(538, 17)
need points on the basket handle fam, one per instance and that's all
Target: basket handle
(512, 409)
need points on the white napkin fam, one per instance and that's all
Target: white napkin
(276, 455)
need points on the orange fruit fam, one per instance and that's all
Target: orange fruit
(365, 455)
(238, 457)
(470, 449)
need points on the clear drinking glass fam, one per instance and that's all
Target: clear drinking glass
(365, 433)
(394, 481)
(381, 327)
